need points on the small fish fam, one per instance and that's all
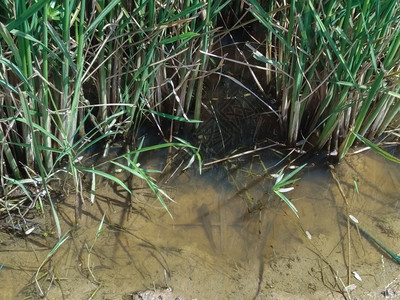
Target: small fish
(205, 218)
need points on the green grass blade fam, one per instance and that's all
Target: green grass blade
(100, 18)
(287, 201)
(61, 46)
(286, 178)
(258, 11)
(172, 117)
(184, 36)
(10, 43)
(142, 175)
(17, 71)
(378, 150)
(21, 185)
(105, 175)
(348, 142)
(49, 255)
(330, 41)
(29, 12)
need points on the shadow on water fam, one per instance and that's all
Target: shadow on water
(230, 238)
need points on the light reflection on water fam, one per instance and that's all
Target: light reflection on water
(215, 248)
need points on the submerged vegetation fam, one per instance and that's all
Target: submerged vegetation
(78, 77)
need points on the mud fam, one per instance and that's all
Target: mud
(225, 253)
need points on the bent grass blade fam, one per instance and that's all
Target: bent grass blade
(287, 201)
(91, 248)
(138, 172)
(378, 150)
(281, 186)
(376, 241)
(51, 253)
(105, 175)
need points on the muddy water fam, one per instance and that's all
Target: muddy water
(215, 247)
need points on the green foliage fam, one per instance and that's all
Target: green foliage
(282, 185)
(376, 149)
(336, 68)
(76, 73)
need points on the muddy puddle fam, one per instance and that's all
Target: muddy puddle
(217, 246)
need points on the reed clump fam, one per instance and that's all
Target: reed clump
(335, 68)
(79, 74)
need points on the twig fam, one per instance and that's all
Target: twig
(238, 155)
(348, 221)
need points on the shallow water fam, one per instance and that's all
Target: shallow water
(214, 247)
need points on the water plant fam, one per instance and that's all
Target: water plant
(89, 250)
(282, 186)
(381, 245)
(335, 68)
(76, 75)
(47, 259)
(377, 149)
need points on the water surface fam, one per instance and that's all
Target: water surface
(229, 238)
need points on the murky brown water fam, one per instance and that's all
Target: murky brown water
(214, 248)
